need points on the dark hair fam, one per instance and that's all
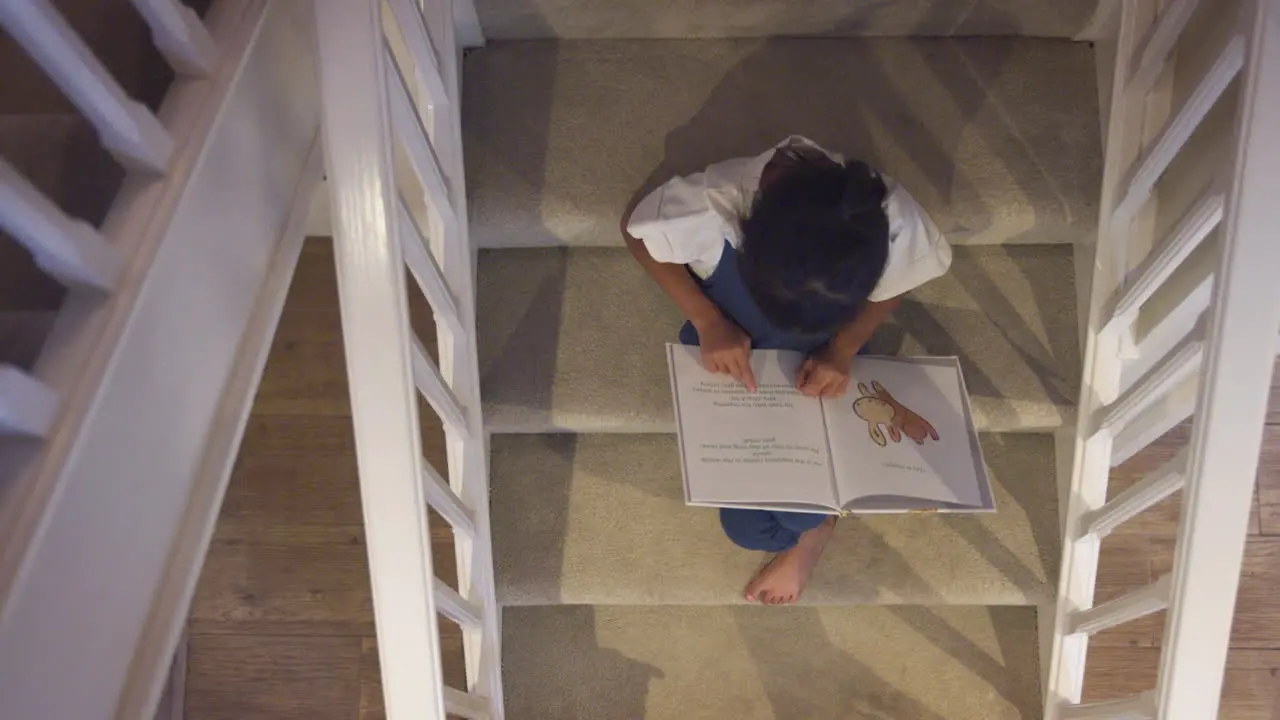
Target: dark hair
(815, 244)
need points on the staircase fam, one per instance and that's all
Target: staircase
(48, 142)
(619, 600)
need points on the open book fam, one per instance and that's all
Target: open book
(900, 440)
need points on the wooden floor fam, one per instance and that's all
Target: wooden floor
(282, 622)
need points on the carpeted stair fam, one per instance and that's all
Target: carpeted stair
(571, 339)
(620, 600)
(617, 662)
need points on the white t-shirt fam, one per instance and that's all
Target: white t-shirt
(688, 219)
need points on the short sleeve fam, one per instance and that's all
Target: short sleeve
(918, 252)
(677, 222)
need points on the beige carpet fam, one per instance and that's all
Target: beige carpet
(571, 339)
(756, 663)
(601, 519)
(505, 19)
(997, 138)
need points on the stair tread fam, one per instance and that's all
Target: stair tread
(997, 137)
(571, 339)
(710, 663)
(601, 519)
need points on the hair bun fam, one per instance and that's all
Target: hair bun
(863, 189)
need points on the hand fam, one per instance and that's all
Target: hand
(727, 349)
(824, 373)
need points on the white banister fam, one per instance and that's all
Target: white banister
(125, 127)
(380, 355)
(1187, 234)
(426, 271)
(445, 501)
(1155, 420)
(1157, 383)
(1146, 493)
(1126, 608)
(1138, 707)
(1142, 178)
(407, 124)
(456, 608)
(465, 704)
(423, 52)
(1100, 382)
(1232, 404)
(434, 388)
(180, 35)
(468, 461)
(27, 406)
(1159, 44)
(67, 248)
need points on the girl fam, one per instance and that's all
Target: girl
(791, 249)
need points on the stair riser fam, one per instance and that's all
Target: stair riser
(503, 19)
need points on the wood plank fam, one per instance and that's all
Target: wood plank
(285, 583)
(294, 489)
(1273, 407)
(304, 377)
(1124, 565)
(308, 576)
(1269, 479)
(314, 285)
(308, 678)
(1269, 520)
(1162, 518)
(297, 434)
(1249, 690)
(1257, 615)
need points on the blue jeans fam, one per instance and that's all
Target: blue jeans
(768, 530)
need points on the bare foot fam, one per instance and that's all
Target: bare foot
(781, 581)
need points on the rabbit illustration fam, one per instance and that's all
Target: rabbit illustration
(880, 408)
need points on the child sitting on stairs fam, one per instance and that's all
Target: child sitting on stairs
(791, 249)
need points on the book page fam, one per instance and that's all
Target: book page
(903, 431)
(741, 448)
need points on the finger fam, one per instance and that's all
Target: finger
(932, 433)
(829, 387)
(748, 377)
(837, 386)
(895, 434)
(740, 373)
(806, 372)
(819, 384)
